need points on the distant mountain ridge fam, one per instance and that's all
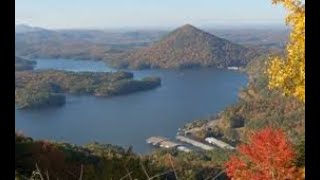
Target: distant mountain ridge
(187, 47)
(78, 44)
(22, 28)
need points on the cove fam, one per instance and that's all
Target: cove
(185, 95)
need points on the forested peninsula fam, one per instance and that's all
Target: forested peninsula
(35, 89)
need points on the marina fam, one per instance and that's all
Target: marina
(162, 142)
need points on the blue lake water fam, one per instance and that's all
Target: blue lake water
(185, 95)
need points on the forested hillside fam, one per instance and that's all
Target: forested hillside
(187, 47)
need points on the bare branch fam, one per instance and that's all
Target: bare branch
(215, 177)
(144, 170)
(172, 166)
(158, 175)
(38, 169)
(70, 173)
(218, 175)
(81, 172)
(24, 177)
(47, 175)
(127, 175)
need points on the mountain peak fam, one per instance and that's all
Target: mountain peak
(185, 47)
(187, 30)
(187, 27)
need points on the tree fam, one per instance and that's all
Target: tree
(268, 156)
(288, 73)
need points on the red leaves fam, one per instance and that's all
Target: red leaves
(268, 155)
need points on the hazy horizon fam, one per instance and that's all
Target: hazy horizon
(168, 28)
(148, 14)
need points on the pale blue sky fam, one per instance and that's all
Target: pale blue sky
(145, 13)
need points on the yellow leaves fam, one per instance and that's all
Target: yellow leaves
(303, 174)
(291, 5)
(288, 73)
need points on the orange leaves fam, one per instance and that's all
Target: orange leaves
(268, 155)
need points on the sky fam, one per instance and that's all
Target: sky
(66, 14)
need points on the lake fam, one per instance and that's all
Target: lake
(185, 95)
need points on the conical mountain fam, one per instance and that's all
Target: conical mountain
(188, 47)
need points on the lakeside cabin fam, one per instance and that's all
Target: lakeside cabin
(219, 143)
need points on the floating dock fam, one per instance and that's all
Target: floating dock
(154, 140)
(219, 143)
(233, 68)
(165, 143)
(195, 143)
(162, 142)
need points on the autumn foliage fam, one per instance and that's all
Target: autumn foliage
(288, 73)
(268, 155)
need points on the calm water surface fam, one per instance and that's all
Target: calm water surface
(185, 95)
